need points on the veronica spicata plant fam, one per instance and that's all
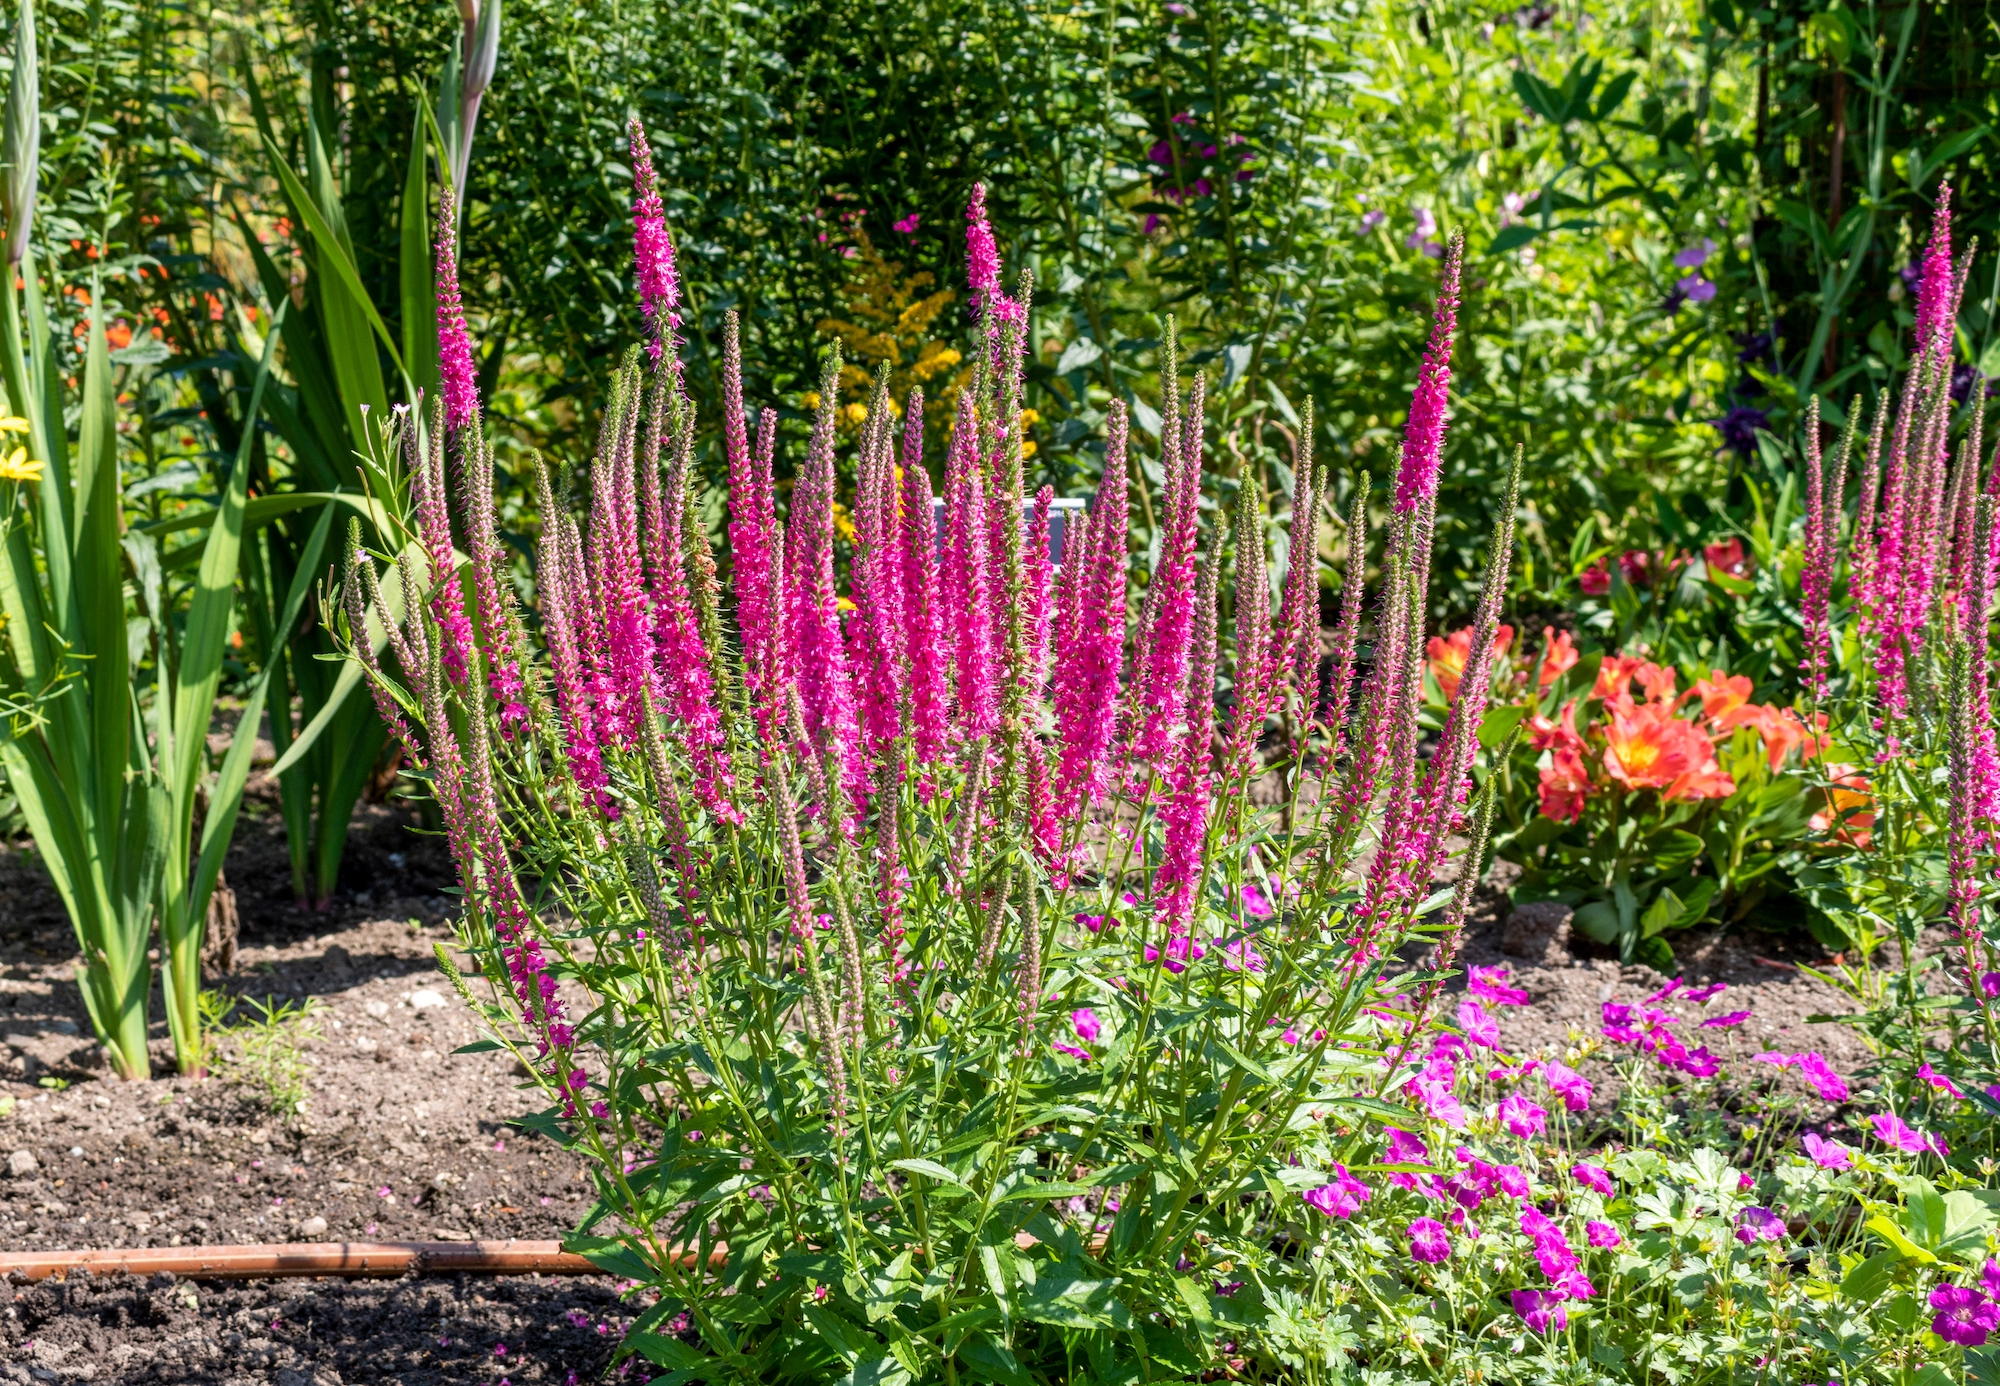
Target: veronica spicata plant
(907, 956)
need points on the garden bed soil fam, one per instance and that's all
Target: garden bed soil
(403, 1140)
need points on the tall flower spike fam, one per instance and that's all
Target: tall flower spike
(1934, 290)
(1825, 488)
(982, 257)
(978, 675)
(653, 255)
(923, 631)
(563, 600)
(1087, 694)
(461, 386)
(825, 687)
(1297, 639)
(1254, 665)
(1423, 435)
(1185, 814)
(1354, 579)
(447, 603)
(1166, 671)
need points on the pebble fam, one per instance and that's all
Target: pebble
(424, 1000)
(378, 1009)
(22, 1163)
(364, 1044)
(313, 1227)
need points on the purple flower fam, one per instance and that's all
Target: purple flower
(1695, 289)
(1073, 1052)
(1759, 1225)
(1703, 993)
(982, 257)
(1780, 1061)
(1340, 1199)
(1565, 1082)
(1592, 1177)
(1824, 1153)
(1572, 1283)
(1698, 1063)
(1086, 1023)
(1405, 1148)
(1939, 1081)
(1989, 984)
(1540, 1311)
(1241, 957)
(908, 225)
(1521, 1116)
(1095, 922)
(1824, 1080)
(1255, 903)
(1964, 1315)
(1725, 1022)
(1489, 984)
(1371, 219)
(1891, 1129)
(1602, 1234)
(1511, 1180)
(1739, 428)
(1696, 255)
(1989, 1279)
(1228, 1288)
(1180, 952)
(1429, 1242)
(1479, 1027)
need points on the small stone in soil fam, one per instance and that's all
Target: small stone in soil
(313, 1227)
(22, 1163)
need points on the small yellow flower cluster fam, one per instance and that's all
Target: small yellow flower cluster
(14, 465)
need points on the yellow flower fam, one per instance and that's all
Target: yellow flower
(1027, 447)
(843, 522)
(17, 467)
(809, 400)
(13, 425)
(857, 413)
(1029, 418)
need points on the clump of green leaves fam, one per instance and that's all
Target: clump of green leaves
(265, 1049)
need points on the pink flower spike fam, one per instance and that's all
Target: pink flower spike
(1521, 1116)
(1825, 1153)
(982, 257)
(1087, 1025)
(1593, 1177)
(1429, 1241)
(1725, 1022)
(1489, 984)
(1602, 1234)
(1423, 434)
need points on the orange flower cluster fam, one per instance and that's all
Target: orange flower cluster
(1449, 653)
(1848, 792)
(1648, 744)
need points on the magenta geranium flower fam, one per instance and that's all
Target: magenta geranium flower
(1088, 1027)
(1479, 1027)
(1759, 1225)
(1778, 1060)
(1698, 1063)
(1939, 1081)
(1964, 1316)
(1255, 903)
(1602, 1234)
(1824, 1080)
(1572, 1284)
(1891, 1129)
(1592, 1177)
(1666, 991)
(1511, 1180)
(1539, 1311)
(1565, 1082)
(1490, 984)
(1701, 994)
(1521, 1116)
(1429, 1242)
(1340, 1199)
(1989, 1279)
(1073, 1051)
(1405, 1148)
(1824, 1153)
(1725, 1022)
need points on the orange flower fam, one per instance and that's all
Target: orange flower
(1783, 729)
(1725, 700)
(1448, 656)
(1848, 792)
(1559, 656)
(1565, 785)
(119, 334)
(1647, 747)
(1727, 558)
(1545, 735)
(1614, 676)
(1657, 680)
